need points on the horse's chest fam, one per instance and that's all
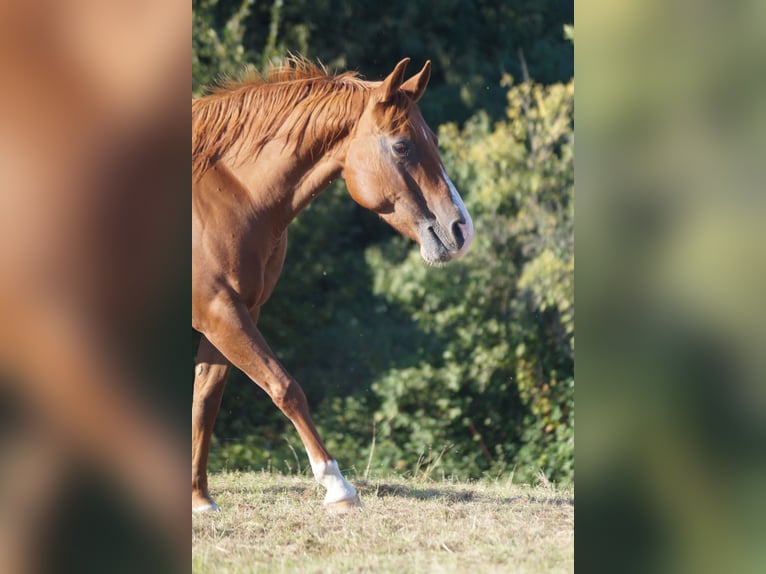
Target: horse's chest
(232, 244)
(258, 269)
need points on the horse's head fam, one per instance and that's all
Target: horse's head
(393, 168)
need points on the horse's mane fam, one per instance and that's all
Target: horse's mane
(302, 98)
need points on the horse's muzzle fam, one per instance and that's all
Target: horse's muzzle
(442, 243)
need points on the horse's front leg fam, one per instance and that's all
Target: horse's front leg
(231, 330)
(210, 374)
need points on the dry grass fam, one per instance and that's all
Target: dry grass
(272, 523)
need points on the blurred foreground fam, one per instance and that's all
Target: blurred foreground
(94, 255)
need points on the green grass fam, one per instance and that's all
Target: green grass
(274, 523)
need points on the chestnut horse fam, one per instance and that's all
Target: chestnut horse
(261, 151)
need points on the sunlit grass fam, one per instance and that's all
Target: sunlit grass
(275, 523)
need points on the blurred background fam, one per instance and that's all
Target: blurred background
(464, 371)
(671, 403)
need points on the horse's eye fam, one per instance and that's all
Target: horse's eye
(401, 148)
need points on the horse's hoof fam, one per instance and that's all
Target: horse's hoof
(344, 506)
(209, 507)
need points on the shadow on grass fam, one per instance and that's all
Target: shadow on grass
(383, 490)
(449, 495)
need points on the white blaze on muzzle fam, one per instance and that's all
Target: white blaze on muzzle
(466, 228)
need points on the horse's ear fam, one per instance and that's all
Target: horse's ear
(394, 81)
(416, 85)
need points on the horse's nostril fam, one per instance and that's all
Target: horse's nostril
(457, 233)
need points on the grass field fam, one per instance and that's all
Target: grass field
(275, 523)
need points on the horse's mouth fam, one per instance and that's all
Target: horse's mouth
(438, 246)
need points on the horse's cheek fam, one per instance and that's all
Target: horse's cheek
(361, 194)
(359, 188)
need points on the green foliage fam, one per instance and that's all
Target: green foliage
(217, 49)
(494, 377)
(472, 43)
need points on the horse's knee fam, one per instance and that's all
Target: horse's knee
(208, 390)
(288, 397)
(279, 395)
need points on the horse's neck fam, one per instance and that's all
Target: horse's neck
(283, 179)
(281, 185)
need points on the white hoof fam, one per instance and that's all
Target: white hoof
(339, 492)
(343, 506)
(211, 507)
